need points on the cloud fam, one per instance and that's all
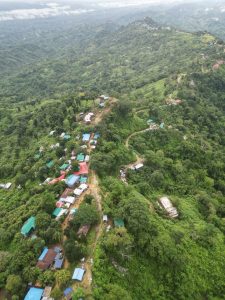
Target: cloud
(49, 10)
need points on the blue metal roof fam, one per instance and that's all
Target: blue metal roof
(78, 274)
(67, 291)
(34, 294)
(72, 179)
(57, 249)
(86, 137)
(58, 263)
(44, 252)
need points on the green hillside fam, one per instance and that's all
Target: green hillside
(147, 67)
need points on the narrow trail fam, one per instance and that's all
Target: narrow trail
(139, 158)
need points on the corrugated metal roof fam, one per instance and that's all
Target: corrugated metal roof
(78, 274)
(28, 226)
(34, 294)
(44, 252)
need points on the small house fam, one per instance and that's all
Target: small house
(50, 164)
(83, 187)
(86, 137)
(46, 259)
(83, 230)
(29, 226)
(5, 186)
(70, 200)
(80, 157)
(83, 169)
(78, 274)
(87, 158)
(103, 98)
(138, 166)
(68, 293)
(105, 218)
(118, 222)
(58, 263)
(78, 192)
(72, 180)
(57, 212)
(64, 167)
(83, 179)
(34, 294)
(167, 205)
(67, 192)
(47, 293)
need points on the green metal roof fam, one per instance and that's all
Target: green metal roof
(28, 226)
(80, 157)
(56, 212)
(118, 222)
(83, 179)
(67, 137)
(50, 164)
(64, 167)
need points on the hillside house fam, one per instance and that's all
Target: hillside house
(167, 205)
(88, 118)
(68, 293)
(81, 157)
(78, 274)
(29, 226)
(72, 180)
(67, 192)
(83, 169)
(46, 259)
(105, 218)
(47, 293)
(34, 294)
(86, 137)
(5, 186)
(173, 101)
(83, 230)
(103, 98)
(118, 222)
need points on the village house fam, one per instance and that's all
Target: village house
(68, 293)
(29, 226)
(50, 257)
(173, 101)
(34, 293)
(5, 186)
(47, 293)
(88, 118)
(83, 230)
(167, 205)
(78, 274)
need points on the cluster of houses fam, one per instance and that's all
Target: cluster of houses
(153, 126)
(50, 258)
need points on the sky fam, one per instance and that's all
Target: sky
(50, 8)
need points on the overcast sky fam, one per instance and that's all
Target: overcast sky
(53, 8)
